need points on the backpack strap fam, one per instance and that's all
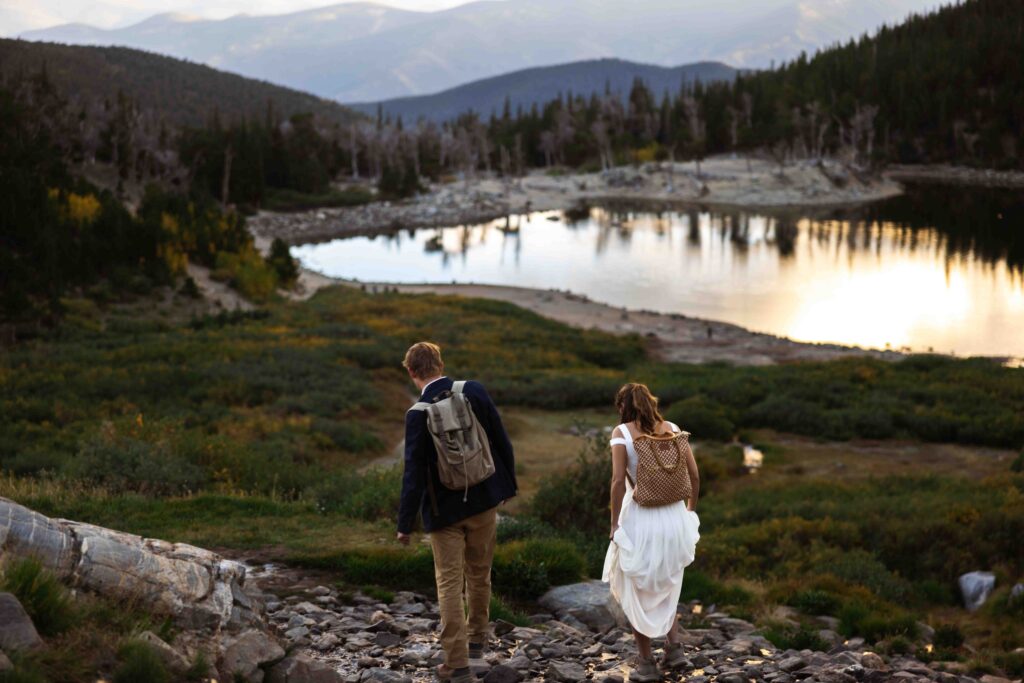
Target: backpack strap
(419, 405)
(457, 387)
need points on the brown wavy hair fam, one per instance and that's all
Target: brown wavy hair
(636, 403)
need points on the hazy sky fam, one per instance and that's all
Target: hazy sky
(25, 15)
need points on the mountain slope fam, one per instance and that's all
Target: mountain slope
(182, 93)
(539, 85)
(363, 52)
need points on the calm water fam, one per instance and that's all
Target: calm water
(938, 269)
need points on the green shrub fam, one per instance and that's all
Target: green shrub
(857, 619)
(516, 528)
(247, 272)
(703, 417)
(500, 610)
(43, 596)
(125, 463)
(379, 594)
(280, 259)
(1018, 463)
(795, 638)
(1012, 663)
(699, 586)
(815, 602)
(898, 645)
(393, 568)
(519, 579)
(948, 636)
(576, 499)
(138, 662)
(372, 495)
(561, 561)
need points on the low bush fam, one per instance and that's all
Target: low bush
(948, 636)
(123, 463)
(815, 602)
(576, 499)
(499, 609)
(371, 495)
(699, 586)
(789, 637)
(524, 570)
(858, 619)
(702, 417)
(399, 568)
(43, 596)
(138, 662)
(560, 559)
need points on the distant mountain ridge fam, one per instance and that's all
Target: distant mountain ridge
(361, 52)
(180, 92)
(542, 84)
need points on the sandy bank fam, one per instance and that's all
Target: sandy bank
(723, 182)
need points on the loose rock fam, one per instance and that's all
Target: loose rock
(17, 632)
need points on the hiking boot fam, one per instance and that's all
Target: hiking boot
(477, 650)
(447, 674)
(645, 671)
(674, 657)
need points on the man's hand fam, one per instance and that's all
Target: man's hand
(403, 538)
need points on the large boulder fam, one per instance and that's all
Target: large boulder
(975, 587)
(244, 656)
(24, 533)
(189, 583)
(17, 632)
(591, 602)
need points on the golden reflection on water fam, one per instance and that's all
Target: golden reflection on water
(873, 284)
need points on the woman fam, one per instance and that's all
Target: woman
(650, 546)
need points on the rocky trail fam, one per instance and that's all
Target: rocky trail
(266, 624)
(580, 637)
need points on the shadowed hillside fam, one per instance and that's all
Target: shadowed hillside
(537, 86)
(182, 92)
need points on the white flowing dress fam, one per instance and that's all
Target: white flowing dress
(648, 553)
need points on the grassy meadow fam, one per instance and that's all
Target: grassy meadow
(272, 435)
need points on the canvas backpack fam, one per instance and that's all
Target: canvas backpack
(463, 450)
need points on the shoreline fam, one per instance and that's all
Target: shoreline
(723, 183)
(672, 337)
(964, 176)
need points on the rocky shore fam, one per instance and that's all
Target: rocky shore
(956, 175)
(721, 182)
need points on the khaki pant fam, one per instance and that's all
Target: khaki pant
(462, 567)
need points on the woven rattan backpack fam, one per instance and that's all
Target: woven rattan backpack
(662, 475)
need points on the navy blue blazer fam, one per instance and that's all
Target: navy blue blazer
(421, 487)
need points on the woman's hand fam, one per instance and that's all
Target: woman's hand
(611, 534)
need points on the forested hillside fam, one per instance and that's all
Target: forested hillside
(520, 90)
(177, 91)
(60, 235)
(945, 87)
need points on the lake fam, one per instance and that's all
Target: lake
(938, 269)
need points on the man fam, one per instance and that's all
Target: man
(462, 524)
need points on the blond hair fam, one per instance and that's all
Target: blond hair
(636, 403)
(423, 360)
